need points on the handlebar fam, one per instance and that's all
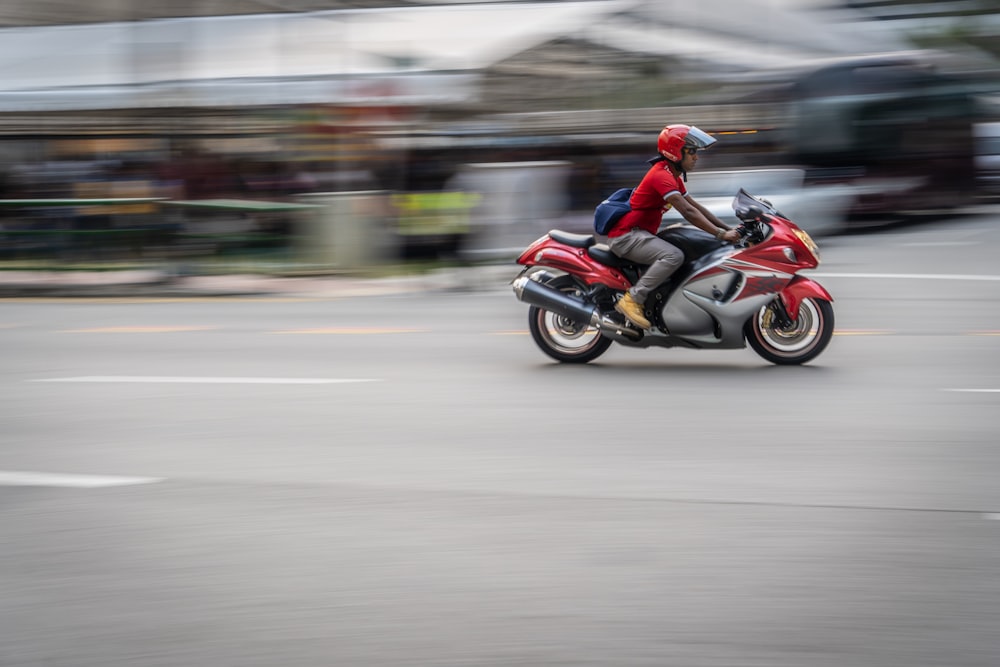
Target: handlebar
(752, 229)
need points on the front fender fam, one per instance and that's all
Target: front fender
(800, 288)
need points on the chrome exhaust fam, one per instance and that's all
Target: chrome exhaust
(539, 294)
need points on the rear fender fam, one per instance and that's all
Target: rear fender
(800, 288)
(574, 261)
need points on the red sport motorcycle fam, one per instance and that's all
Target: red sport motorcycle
(723, 296)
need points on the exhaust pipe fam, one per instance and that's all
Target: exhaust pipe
(560, 303)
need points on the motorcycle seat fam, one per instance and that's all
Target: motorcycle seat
(603, 254)
(574, 240)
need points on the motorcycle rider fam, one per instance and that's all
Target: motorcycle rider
(634, 237)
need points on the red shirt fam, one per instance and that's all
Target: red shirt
(649, 201)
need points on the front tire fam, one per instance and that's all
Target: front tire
(801, 342)
(560, 337)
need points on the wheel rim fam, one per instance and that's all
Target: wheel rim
(565, 335)
(801, 336)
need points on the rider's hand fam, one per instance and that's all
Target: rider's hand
(731, 236)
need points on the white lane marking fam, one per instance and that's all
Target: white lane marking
(142, 329)
(156, 379)
(351, 331)
(935, 244)
(992, 517)
(906, 276)
(975, 391)
(24, 478)
(862, 332)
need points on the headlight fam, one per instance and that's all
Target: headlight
(808, 242)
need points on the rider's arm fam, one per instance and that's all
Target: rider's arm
(701, 217)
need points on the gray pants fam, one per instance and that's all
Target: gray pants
(644, 248)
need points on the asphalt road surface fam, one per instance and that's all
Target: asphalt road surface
(406, 480)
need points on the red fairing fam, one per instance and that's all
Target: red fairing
(575, 261)
(801, 288)
(783, 237)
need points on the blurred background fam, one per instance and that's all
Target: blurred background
(338, 135)
(388, 473)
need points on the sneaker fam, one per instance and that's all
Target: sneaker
(632, 310)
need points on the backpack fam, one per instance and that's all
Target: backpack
(611, 210)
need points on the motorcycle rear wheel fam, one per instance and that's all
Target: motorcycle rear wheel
(803, 341)
(562, 338)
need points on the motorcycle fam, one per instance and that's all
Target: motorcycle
(724, 296)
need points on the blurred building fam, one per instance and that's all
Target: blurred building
(469, 58)
(224, 95)
(325, 80)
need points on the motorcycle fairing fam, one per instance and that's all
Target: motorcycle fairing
(759, 279)
(705, 312)
(720, 292)
(549, 252)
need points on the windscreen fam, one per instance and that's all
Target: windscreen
(744, 201)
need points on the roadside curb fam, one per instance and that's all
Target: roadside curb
(153, 284)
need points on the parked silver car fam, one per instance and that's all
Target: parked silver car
(818, 209)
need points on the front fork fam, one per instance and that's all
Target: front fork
(781, 316)
(786, 306)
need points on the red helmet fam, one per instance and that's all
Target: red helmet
(673, 138)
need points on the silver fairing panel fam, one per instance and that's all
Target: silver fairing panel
(710, 309)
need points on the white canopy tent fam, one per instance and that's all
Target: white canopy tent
(400, 56)
(415, 55)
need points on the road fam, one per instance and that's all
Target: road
(406, 480)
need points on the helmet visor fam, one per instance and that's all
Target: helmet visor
(698, 139)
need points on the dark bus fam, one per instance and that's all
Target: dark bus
(895, 128)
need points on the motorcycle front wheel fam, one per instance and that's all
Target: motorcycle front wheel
(798, 343)
(560, 337)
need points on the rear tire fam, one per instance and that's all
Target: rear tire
(562, 338)
(803, 341)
